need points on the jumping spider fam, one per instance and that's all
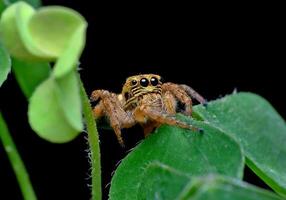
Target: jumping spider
(147, 101)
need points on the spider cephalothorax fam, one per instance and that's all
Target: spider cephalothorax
(136, 87)
(144, 100)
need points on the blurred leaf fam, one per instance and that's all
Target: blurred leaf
(52, 33)
(43, 35)
(30, 75)
(260, 130)
(64, 37)
(5, 64)
(190, 152)
(69, 58)
(34, 3)
(12, 21)
(47, 116)
(69, 99)
(52, 28)
(162, 182)
(2, 7)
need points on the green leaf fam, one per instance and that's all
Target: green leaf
(5, 64)
(34, 3)
(260, 130)
(47, 116)
(69, 99)
(64, 37)
(43, 35)
(30, 75)
(12, 21)
(14, 33)
(162, 182)
(225, 188)
(52, 27)
(2, 7)
(52, 33)
(69, 58)
(190, 152)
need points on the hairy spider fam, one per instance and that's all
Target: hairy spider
(147, 101)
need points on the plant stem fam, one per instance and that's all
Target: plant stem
(16, 162)
(93, 141)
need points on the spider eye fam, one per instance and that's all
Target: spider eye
(154, 81)
(133, 82)
(144, 82)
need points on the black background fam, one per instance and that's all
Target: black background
(213, 48)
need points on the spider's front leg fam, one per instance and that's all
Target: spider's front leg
(190, 91)
(158, 117)
(174, 91)
(111, 106)
(183, 93)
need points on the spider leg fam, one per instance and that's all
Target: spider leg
(156, 116)
(111, 106)
(190, 91)
(98, 110)
(169, 102)
(178, 92)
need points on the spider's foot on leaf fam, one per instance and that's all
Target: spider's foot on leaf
(196, 129)
(205, 104)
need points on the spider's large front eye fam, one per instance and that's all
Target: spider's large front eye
(154, 81)
(144, 82)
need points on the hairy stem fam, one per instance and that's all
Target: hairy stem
(16, 162)
(93, 141)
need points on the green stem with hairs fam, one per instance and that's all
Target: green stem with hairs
(16, 162)
(93, 141)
